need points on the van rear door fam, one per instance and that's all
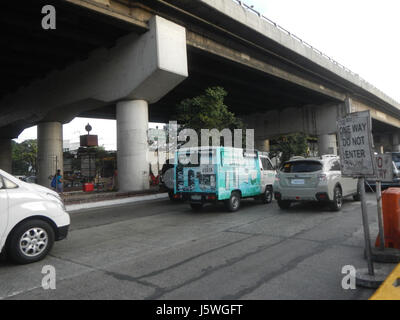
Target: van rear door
(267, 172)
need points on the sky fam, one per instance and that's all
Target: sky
(360, 34)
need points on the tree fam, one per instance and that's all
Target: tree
(24, 157)
(289, 146)
(207, 111)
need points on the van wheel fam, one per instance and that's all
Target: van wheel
(336, 204)
(233, 203)
(30, 242)
(266, 197)
(284, 204)
(196, 206)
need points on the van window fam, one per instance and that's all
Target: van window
(301, 166)
(266, 164)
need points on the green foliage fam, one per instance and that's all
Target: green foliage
(207, 111)
(290, 145)
(24, 157)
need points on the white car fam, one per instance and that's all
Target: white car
(314, 179)
(32, 217)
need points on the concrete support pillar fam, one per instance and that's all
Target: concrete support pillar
(50, 151)
(396, 142)
(5, 155)
(132, 156)
(263, 145)
(327, 144)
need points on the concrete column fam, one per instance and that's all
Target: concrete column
(327, 144)
(263, 145)
(50, 151)
(132, 155)
(396, 142)
(5, 155)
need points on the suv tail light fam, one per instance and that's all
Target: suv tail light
(322, 178)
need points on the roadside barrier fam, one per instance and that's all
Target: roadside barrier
(391, 218)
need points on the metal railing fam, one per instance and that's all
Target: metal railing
(293, 36)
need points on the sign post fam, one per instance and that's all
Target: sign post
(358, 161)
(384, 173)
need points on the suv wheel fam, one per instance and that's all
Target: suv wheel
(357, 196)
(267, 195)
(284, 204)
(30, 242)
(337, 202)
(233, 203)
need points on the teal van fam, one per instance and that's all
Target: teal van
(213, 174)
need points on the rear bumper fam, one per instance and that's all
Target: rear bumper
(194, 197)
(62, 233)
(297, 194)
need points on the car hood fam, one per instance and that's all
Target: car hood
(40, 189)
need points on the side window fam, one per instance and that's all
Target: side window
(9, 184)
(269, 164)
(266, 164)
(335, 166)
(1, 183)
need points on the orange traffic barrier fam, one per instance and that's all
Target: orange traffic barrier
(391, 218)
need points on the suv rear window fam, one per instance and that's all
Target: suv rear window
(301, 166)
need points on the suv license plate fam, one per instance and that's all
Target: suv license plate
(196, 198)
(298, 181)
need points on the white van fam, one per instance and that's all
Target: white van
(32, 217)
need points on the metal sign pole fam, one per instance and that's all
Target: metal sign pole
(380, 215)
(367, 237)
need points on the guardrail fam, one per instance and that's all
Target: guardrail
(261, 16)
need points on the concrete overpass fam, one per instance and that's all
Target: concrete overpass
(135, 60)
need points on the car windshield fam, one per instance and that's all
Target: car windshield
(301, 166)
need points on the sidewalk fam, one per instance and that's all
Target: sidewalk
(79, 200)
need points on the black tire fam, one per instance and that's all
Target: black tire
(336, 204)
(233, 203)
(14, 243)
(196, 206)
(267, 196)
(357, 196)
(284, 204)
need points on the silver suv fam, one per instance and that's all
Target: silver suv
(313, 179)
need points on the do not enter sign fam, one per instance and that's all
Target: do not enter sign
(355, 145)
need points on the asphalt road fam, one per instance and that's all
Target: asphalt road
(162, 250)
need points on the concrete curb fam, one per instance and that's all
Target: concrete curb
(109, 203)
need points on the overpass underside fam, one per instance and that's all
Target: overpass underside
(134, 61)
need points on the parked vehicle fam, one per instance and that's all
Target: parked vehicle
(32, 217)
(371, 183)
(223, 174)
(314, 179)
